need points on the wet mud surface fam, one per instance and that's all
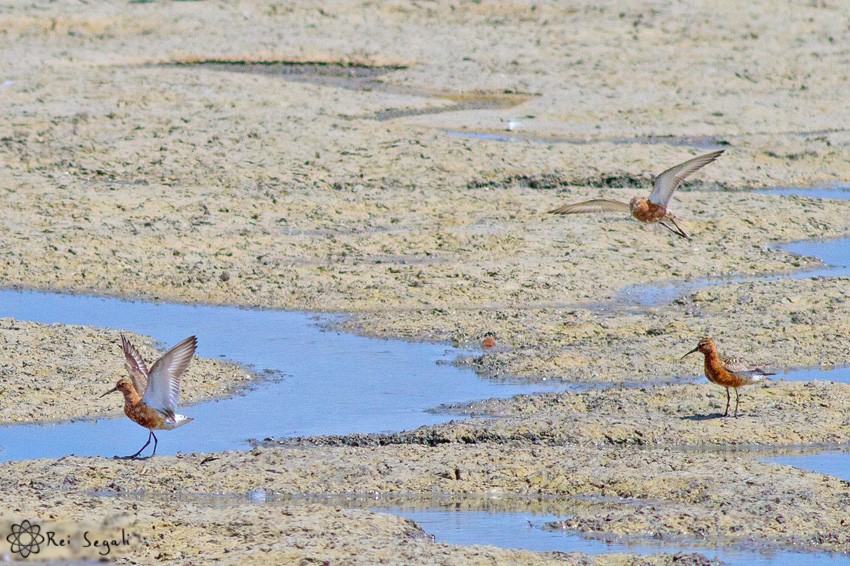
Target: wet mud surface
(776, 413)
(347, 193)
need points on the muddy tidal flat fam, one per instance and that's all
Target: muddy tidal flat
(393, 162)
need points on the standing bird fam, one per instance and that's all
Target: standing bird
(728, 372)
(150, 396)
(651, 210)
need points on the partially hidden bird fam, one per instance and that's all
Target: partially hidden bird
(728, 372)
(150, 395)
(653, 209)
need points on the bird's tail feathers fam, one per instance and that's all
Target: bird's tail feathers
(177, 421)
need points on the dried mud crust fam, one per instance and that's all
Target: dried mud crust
(232, 531)
(52, 372)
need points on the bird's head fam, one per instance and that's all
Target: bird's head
(124, 386)
(704, 346)
(637, 202)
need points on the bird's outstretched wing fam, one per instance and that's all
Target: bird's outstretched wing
(669, 180)
(135, 364)
(598, 205)
(164, 377)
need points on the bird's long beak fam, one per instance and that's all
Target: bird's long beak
(689, 353)
(114, 389)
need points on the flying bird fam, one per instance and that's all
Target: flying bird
(654, 209)
(150, 395)
(728, 372)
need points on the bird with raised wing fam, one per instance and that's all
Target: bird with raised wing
(653, 209)
(728, 372)
(150, 396)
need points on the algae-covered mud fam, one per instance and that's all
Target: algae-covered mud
(393, 162)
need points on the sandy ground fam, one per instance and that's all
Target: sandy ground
(126, 178)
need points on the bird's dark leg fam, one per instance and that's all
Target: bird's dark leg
(136, 455)
(678, 231)
(736, 402)
(155, 441)
(728, 398)
(679, 228)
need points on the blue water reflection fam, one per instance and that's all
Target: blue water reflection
(333, 383)
(523, 531)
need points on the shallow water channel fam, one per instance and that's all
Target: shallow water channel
(329, 382)
(334, 383)
(530, 532)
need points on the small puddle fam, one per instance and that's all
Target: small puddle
(835, 253)
(839, 374)
(333, 383)
(832, 463)
(840, 191)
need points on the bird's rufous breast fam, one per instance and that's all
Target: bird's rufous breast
(714, 370)
(646, 211)
(143, 415)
